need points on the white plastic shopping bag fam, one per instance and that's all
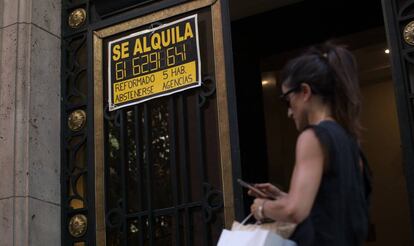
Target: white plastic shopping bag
(256, 235)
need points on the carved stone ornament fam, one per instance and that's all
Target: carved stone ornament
(78, 225)
(77, 120)
(77, 18)
(409, 33)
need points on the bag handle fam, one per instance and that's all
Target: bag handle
(258, 222)
(247, 218)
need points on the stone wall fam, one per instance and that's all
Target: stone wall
(30, 122)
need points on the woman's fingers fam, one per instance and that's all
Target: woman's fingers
(270, 189)
(266, 190)
(255, 207)
(255, 194)
(266, 186)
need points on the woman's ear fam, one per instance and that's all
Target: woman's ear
(307, 91)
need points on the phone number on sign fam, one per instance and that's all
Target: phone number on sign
(151, 62)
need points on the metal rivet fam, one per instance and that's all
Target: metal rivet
(77, 18)
(78, 225)
(77, 120)
(409, 33)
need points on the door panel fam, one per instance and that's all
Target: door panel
(164, 167)
(156, 173)
(398, 15)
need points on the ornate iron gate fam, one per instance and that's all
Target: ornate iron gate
(157, 184)
(156, 173)
(399, 18)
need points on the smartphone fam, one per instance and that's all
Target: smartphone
(251, 187)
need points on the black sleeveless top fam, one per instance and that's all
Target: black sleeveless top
(339, 216)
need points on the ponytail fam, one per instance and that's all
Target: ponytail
(331, 72)
(346, 105)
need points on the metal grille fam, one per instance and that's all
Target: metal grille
(158, 191)
(162, 167)
(400, 14)
(76, 189)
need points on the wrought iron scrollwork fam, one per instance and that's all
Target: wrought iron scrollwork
(75, 171)
(409, 57)
(74, 70)
(73, 46)
(116, 216)
(112, 116)
(207, 89)
(213, 201)
(405, 9)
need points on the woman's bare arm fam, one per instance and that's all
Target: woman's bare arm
(296, 205)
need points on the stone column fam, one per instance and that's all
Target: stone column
(30, 122)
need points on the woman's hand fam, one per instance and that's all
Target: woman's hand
(268, 189)
(257, 208)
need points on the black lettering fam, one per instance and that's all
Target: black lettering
(177, 70)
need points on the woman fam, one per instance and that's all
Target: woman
(328, 195)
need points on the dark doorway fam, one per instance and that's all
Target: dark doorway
(262, 43)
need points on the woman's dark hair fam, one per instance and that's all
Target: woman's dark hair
(331, 72)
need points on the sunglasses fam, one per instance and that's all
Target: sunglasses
(284, 97)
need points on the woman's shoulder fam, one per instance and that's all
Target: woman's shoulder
(308, 135)
(324, 124)
(308, 141)
(322, 131)
(327, 130)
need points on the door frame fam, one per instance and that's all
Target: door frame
(225, 93)
(395, 21)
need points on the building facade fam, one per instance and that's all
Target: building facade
(128, 122)
(30, 92)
